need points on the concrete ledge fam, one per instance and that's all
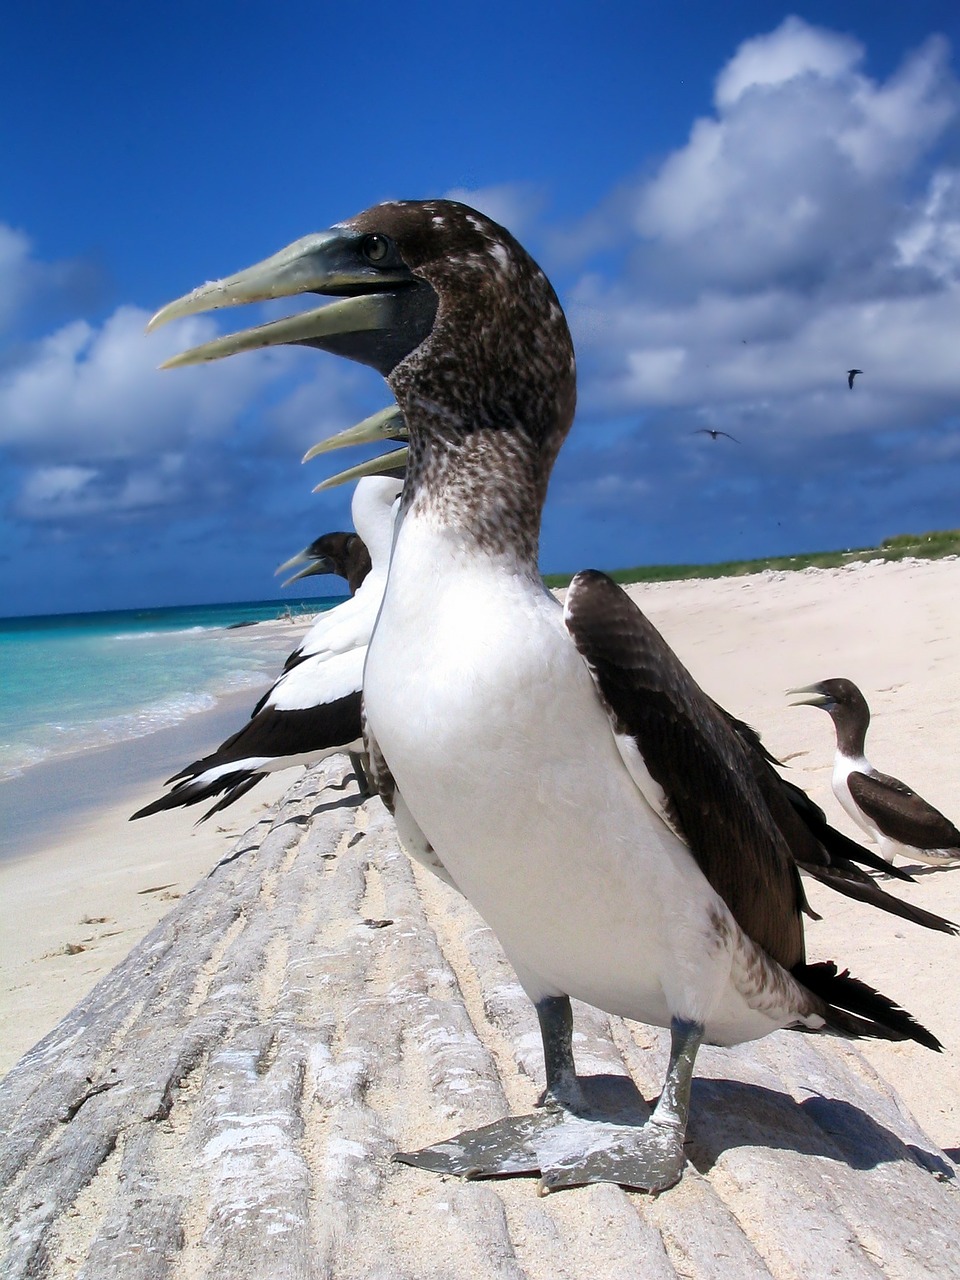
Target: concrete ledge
(226, 1102)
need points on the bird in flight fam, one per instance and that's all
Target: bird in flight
(851, 374)
(713, 434)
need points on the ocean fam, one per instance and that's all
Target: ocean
(71, 682)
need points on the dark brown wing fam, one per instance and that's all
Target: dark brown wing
(900, 813)
(691, 751)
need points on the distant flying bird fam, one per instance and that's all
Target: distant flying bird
(892, 815)
(629, 843)
(851, 374)
(313, 709)
(713, 434)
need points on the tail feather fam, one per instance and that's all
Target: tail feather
(867, 890)
(856, 1009)
(229, 787)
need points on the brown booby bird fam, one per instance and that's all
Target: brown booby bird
(627, 843)
(892, 814)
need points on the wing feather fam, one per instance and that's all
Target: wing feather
(695, 769)
(900, 813)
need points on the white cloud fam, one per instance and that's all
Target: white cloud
(784, 244)
(50, 484)
(64, 493)
(931, 241)
(800, 171)
(95, 393)
(794, 49)
(101, 431)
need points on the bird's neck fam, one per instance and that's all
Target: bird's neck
(483, 488)
(851, 727)
(488, 402)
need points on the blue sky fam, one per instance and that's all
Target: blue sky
(736, 203)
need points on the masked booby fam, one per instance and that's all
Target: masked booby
(313, 709)
(891, 813)
(606, 818)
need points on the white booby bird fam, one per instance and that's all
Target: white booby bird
(891, 813)
(629, 846)
(313, 709)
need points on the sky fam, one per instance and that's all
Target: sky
(735, 203)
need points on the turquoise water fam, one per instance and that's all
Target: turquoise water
(73, 681)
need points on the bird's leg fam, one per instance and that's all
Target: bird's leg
(556, 1031)
(673, 1106)
(648, 1157)
(360, 762)
(568, 1149)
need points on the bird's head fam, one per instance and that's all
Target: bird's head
(434, 295)
(330, 553)
(833, 696)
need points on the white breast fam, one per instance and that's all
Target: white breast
(492, 728)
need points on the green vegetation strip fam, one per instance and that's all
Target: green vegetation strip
(925, 546)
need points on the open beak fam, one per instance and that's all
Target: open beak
(386, 424)
(311, 565)
(816, 697)
(382, 311)
(394, 462)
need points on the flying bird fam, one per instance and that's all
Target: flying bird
(313, 709)
(851, 374)
(651, 867)
(713, 433)
(891, 813)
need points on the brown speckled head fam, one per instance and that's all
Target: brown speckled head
(489, 394)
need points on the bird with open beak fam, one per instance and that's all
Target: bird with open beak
(625, 838)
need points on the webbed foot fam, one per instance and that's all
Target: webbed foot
(566, 1150)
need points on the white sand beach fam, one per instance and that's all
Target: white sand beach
(80, 884)
(75, 905)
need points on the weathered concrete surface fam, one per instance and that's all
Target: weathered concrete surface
(225, 1104)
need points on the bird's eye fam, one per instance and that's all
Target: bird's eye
(375, 248)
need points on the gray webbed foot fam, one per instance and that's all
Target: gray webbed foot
(566, 1150)
(568, 1142)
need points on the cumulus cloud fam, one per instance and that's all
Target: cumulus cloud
(96, 429)
(59, 495)
(795, 49)
(785, 243)
(95, 392)
(801, 173)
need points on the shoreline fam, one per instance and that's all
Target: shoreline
(891, 628)
(80, 884)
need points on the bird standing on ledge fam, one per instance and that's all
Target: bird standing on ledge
(892, 815)
(619, 834)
